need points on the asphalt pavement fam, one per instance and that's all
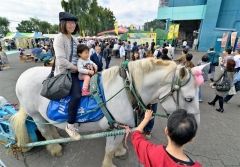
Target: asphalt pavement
(217, 143)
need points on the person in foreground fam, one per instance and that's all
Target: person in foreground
(181, 129)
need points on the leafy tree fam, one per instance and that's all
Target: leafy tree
(4, 23)
(26, 26)
(37, 25)
(154, 25)
(54, 29)
(92, 18)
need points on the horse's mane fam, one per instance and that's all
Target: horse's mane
(139, 68)
(144, 66)
(110, 74)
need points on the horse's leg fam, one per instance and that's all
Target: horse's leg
(121, 151)
(55, 133)
(49, 133)
(112, 144)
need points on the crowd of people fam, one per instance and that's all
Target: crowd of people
(84, 58)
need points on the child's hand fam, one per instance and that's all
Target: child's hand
(148, 115)
(91, 72)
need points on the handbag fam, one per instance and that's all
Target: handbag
(59, 86)
(224, 85)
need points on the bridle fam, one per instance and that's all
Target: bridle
(176, 86)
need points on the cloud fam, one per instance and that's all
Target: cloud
(18, 10)
(135, 12)
(127, 12)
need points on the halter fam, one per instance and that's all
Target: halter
(175, 87)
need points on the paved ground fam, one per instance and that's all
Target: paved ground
(216, 145)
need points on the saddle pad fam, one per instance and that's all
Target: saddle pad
(88, 109)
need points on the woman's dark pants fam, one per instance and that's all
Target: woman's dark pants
(75, 94)
(150, 124)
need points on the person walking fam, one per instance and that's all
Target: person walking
(122, 51)
(107, 55)
(225, 75)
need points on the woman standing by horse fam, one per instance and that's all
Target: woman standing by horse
(65, 46)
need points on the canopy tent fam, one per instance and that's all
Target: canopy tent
(35, 35)
(15, 35)
(52, 36)
(18, 35)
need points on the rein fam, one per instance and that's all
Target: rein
(175, 87)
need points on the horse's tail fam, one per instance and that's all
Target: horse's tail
(19, 127)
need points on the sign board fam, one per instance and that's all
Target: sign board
(233, 38)
(224, 39)
(238, 43)
(141, 38)
(173, 31)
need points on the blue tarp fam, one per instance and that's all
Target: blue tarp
(88, 109)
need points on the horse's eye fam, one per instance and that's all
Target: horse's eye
(189, 99)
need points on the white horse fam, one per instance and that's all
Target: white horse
(153, 79)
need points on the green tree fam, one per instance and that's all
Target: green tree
(37, 25)
(4, 23)
(154, 25)
(92, 18)
(44, 27)
(26, 26)
(54, 29)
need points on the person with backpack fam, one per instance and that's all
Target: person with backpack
(223, 84)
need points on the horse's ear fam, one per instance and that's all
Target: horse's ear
(183, 73)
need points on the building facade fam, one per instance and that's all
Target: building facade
(205, 20)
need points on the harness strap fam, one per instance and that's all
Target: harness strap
(95, 92)
(130, 85)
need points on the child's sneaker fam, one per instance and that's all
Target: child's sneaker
(85, 92)
(72, 132)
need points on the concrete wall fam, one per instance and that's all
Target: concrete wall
(208, 34)
(182, 13)
(229, 16)
(175, 3)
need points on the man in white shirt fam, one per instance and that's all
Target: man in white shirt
(122, 50)
(184, 44)
(157, 53)
(170, 51)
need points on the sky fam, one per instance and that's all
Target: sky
(127, 12)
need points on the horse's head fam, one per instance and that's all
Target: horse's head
(184, 91)
(174, 86)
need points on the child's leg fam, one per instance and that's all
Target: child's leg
(86, 81)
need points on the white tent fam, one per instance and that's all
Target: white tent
(51, 36)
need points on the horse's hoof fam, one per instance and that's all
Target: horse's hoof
(55, 150)
(25, 149)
